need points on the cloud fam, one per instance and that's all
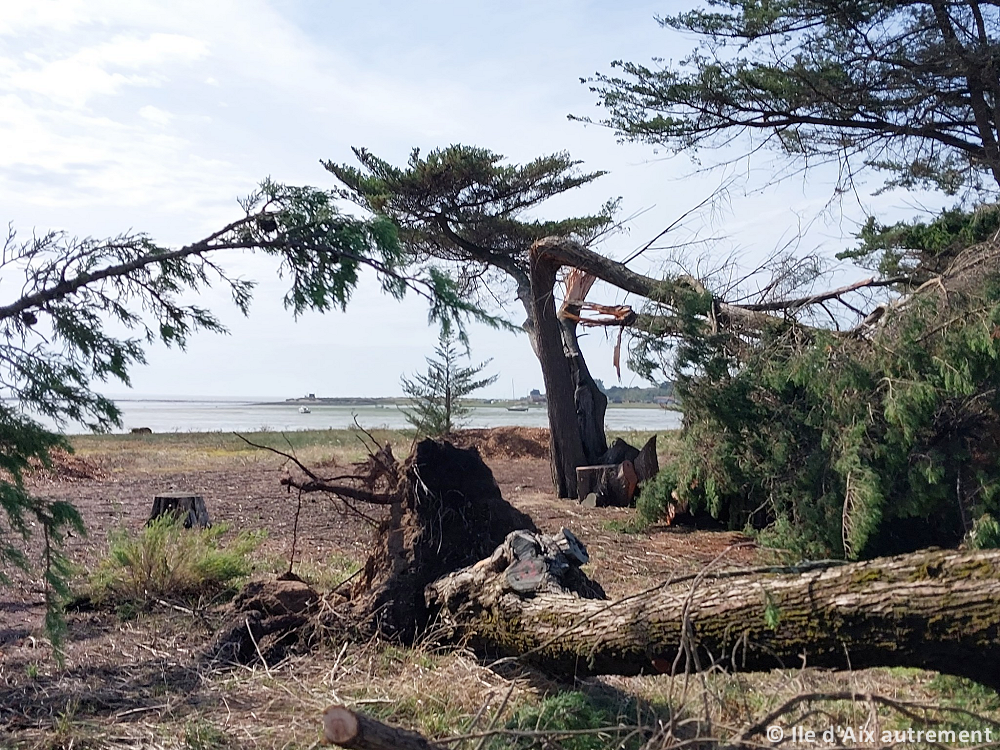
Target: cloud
(155, 115)
(99, 70)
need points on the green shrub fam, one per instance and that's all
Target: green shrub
(985, 533)
(654, 500)
(834, 445)
(165, 560)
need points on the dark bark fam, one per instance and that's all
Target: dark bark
(181, 505)
(591, 403)
(565, 442)
(933, 610)
(610, 484)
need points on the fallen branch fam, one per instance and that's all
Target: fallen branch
(354, 730)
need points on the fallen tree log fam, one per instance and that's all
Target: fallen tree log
(934, 610)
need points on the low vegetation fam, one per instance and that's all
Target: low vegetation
(167, 561)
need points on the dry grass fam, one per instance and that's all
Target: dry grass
(194, 451)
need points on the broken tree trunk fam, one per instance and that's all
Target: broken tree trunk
(354, 730)
(181, 505)
(566, 449)
(448, 513)
(934, 610)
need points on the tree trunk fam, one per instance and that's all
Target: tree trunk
(565, 444)
(933, 610)
(591, 403)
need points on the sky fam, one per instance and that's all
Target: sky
(158, 116)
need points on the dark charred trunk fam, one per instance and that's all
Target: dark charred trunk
(565, 442)
(591, 403)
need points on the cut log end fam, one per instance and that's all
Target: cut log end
(612, 484)
(339, 725)
(350, 729)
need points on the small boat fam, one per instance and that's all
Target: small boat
(517, 408)
(305, 410)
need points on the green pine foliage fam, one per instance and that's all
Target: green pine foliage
(835, 444)
(436, 406)
(898, 87)
(575, 721)
(84, 309)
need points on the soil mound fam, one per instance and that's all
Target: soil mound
(505, 442)
(450, 515)
(67, 467)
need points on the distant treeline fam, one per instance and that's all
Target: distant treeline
(618, 395)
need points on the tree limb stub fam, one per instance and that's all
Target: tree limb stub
(934, 610)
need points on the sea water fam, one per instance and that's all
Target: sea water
(209, 415)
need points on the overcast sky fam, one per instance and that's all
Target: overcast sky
(157, 116)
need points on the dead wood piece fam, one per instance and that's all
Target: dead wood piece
(931, 610)
(554, 567)
(184, 505)
(646, 463)
(618, 452)
(354, 730)
(612, 484)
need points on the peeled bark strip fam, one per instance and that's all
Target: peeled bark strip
(934, 610)
(354, 730)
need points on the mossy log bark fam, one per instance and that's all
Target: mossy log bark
(937, 610)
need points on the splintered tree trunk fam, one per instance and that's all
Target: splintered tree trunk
(591, 403)
(934, 610)
(565, 444)
(181, 505)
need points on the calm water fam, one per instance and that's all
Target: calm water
(229, 416)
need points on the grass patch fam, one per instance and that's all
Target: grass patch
(171, 451)
(166, 561)
(591, 723)
(635, 524)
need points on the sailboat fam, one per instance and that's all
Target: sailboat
(515, 407)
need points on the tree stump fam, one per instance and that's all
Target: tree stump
(611, 484)
(181, 505)
(646, 463)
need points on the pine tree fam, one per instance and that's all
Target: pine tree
(62, 329)
(436, 396)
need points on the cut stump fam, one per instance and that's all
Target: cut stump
(181, 505)
(611, 484)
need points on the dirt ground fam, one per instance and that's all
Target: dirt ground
(118, 671)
